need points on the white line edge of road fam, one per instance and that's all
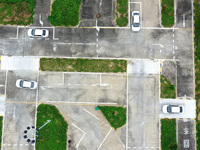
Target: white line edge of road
(91, 114)
(4, 110)
(17, 34)
(127, 112)
(104, 139)
(159, 130)
(80, 102)
(36, 100)
(81, 137)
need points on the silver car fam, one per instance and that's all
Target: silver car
(20, 83)
(38, 33)
(135, 21)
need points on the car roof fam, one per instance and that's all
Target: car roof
(175, 109)
(38, 31)
(136, 19)
(26, 84)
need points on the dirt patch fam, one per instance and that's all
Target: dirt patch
(111, 64)
(69, 67)
(198, 117)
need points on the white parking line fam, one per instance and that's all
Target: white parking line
(64, 102)
(17, 34)
(127, 111)
(91, 114)
(104, 139)
(40, 19)
(81, 137)
(183, 20)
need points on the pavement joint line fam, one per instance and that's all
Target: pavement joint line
(104, 139)
(91, 114)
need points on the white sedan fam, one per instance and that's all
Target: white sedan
(38, 33)
(172, 109)
(135, 21)
(20, 83)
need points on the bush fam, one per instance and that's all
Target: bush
(65, 12)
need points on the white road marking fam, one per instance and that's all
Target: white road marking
(159, 45)
(127, 111)
(40, 19)
(81, 102)
(81, 137)
(14, 113)
(100, 3)
(85, 43)
(184, 20)
(104, 139)
(64, 43)
(54, 34)
(17, 34)
(91, 114)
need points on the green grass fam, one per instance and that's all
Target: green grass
(65, 13)
(167, 89)
(197, 67)
(122, 13)
(82, 65)
(168, 134)
(53, 136)
(167, 13)
(116, 116)
(18, 12)
(1, 127)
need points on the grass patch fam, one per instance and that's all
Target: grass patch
(167, 89)
(82, 65)
(122, 13)
(197, 67)
(18, 12)
(168, 134)
(116, 116)
(167, 13)
(54, 134)
(65, 13)
(1, 127)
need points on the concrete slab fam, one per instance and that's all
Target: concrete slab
(20, 63)
(189, 108)
(143, 66)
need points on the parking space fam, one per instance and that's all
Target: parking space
(183, 14)
(2, 82)
(189, 108)
(88, 88)
(149, 17)
(143, 114)
(20, 111)
(18, 117)
(88, 129)
(186, 134)
(90, 8)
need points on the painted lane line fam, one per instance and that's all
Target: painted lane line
(91, 114)
(81, 102)
(104, 139)
(183, 20)
(40, 19)
(81, 137)
(159, 45)
(127, 110)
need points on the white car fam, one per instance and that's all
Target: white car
(135, 21)
(20, 83)
(38, 33)
(172, 109)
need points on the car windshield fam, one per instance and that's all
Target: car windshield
(136, 24)
(169, 109)
(32, 84)
(33, 32)
(136, 14)
(21, 83)
(44, 32)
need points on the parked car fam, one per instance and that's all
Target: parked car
(38, 33)
(172, 109)
(135, 21)
(20, 83)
